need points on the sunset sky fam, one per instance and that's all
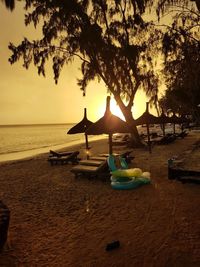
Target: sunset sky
(26, 98)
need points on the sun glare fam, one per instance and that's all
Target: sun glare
(139, 107)
(115, 109)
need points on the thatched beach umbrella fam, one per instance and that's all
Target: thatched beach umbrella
(81, 127)
(108, 124)
(163, 119)
(176, 120)
(147, 118)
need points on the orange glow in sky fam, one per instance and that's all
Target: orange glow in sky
(113, 107)
(26, 98)
(137, 110)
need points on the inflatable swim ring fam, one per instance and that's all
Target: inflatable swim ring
(146, 174)
(126, 185)
(112, 163)
(121, 179)
(124, 178)
(135, 172)
(131, 184)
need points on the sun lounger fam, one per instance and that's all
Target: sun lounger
(123, 141)
(60, 154)
(91, 171)
(100, 158)
(182, 134)
(4, 224)
(63, 157)
(185, 176)
(165, 140)
(91, 162)
(126, 155)
(119, 143)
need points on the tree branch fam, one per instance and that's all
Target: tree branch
(188, 35)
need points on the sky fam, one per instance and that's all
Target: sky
(27, 98)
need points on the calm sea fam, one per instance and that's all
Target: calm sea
(20, 141)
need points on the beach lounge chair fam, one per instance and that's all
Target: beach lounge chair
(4, 224)
(165, 140)
(185, 176)
(100, 158)
(91, 162)
(126, 155)
(124, 140)
(91, 170)
(63, 157)
(182, 135)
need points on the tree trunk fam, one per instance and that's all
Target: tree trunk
(135, 138)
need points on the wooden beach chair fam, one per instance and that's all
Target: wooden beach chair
(63, 157)
(60, 154)
(90, 170)
(182, 135)
(165, 140)
(100, 158)
(184, 176)
(4, 224)
(123, 141)
(126, 155)
(91, 162)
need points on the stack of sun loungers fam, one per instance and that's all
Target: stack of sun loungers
(123, 140)
(63, 157)
(93, 167)
(96, 166)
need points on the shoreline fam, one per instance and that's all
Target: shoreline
(60, 220)
(22, 155)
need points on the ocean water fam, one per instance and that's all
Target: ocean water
(20, 141)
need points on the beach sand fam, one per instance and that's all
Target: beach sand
(58, 220)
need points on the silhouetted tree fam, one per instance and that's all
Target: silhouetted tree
(164, 6)
(181, 47)
(10, 4)
(109, 37)
(182, 80)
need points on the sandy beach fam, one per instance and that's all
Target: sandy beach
(58, 220)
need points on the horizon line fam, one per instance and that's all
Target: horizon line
(32, 124)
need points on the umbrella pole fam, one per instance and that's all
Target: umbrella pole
(110, 144)
(148, 136)
(174, 128)
(87, 146)
(163, 127)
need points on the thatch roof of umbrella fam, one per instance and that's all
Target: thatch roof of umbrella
(163, 119)
(178, 120)
(175, 119)
(147, 118)
(81, 127)
(108, 124)
(181, 119)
